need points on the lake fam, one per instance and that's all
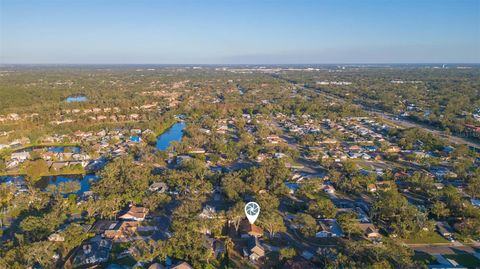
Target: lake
(59, 149)
(78, 98)
(19, 181)
(75, 150)
(174, 133)
(85, 181)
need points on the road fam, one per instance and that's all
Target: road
(310, 168)
(408, 124)
(402, 122)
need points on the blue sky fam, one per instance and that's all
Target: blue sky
(239, 31)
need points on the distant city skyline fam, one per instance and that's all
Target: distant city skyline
(239, 32)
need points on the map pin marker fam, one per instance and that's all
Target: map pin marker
(252, 210)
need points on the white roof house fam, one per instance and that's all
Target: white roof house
(20, 156)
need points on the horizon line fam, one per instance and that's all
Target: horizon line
(267, 64)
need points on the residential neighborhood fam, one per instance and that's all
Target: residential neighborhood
(161, 179)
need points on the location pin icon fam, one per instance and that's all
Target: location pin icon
(252, 210)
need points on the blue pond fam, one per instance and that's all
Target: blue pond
(174, 133)
(78, 98)
(75, 150)
(19, 181)
(72, 149)
(85, 181)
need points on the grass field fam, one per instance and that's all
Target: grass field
(426, 238)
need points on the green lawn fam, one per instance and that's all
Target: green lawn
(426, 238)
(465, 259)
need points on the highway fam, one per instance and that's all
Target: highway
(406, 123)
(401, 122)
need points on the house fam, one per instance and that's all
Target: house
(329, 228)
(444, 229)
(79, 134)
(13, 116)
(354, 148)
(393, 149)
(475, 202)
(307, 255)
(56, 237)
(182, 265)
(361, 215)
(329, 141)
(329, 189)
(197, 151)
(372, 188)
(156, 266)
(222, 129)
(135, 139)
(369, 230)
(292, 187)
(122, 232)
(93, 252)
(205, 131)
(20, 156)
(135, 213)
(208, 212)
(134, 116)
(254, 250)
(103, 225)
(160, 187)
(246, 229)
(57, 166)
(448, 149)
(273, 139)
(182, 158)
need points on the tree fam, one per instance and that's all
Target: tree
(440, 210)
(6, 198)
(306, 224)
(2, 164)
(323, 208)
(123, 180)
(394, 210)
(272, 222)
(74, 236)
(287, 253)
(155, 200)
(469, 227)
(473, 186)
(69, 187)
(236, 214)
(268, 202)
(35, 169)
(232, 186)
(36, 227)
(43, 253)
(143, 250)
(349, 223)
(194, 166)
(34, 155)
